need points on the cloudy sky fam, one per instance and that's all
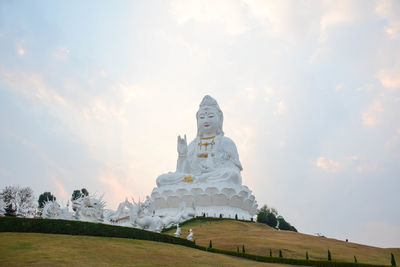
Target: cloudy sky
(94, 94)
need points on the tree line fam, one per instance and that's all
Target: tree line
(271, 217)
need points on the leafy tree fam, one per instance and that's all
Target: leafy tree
(243, 250)
(210, 245)
(270, 252)
(10, 210)
(306, 255)
(46, 196)
(280, 254)
(79, 193)
(284, 225)
(329, 255)
(268, 216)
(393, 261)
(84, 192)
(236, 217)
(76, 194)
(355, 259)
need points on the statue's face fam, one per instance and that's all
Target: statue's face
(207, 121)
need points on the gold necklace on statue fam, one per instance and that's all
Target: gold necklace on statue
(206, 141)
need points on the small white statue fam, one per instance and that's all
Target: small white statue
(2, 207)
(178, 231)
(89, 208)
(190, 235)
(53, 210)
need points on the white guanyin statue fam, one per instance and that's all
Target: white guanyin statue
(178, 231)
(190, 235)
(207, 178)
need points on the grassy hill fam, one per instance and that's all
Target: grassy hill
(260, 238)
(31, 249)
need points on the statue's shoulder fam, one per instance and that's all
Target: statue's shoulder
(228, 145)
(226, 141)
(192, 146)
(193, 142)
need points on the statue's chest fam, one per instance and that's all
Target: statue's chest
(206, 147)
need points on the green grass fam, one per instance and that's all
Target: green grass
(32, 249)
(260, 238)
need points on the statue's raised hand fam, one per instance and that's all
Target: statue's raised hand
(182, 146)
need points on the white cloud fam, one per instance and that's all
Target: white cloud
(339, 87)
(352, 163)
(333, 166)
(224, 12)
(286, 19)
(20, 51)
(336, 13)
(61, 53)
(328, 165)
(390, 10)
(371, 116)
(20, 48)
(390, 78)
(32, 86)
(281, 108)
(394, 140)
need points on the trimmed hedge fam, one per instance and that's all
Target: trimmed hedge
(50, 226)
(288, 260)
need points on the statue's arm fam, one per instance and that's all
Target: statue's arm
(183, 165)
(231, 152)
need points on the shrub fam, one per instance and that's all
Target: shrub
(243, 250)
(237, 250)
(393, 261)
(236, 217)
(284, 225)
(280, 254)
(306, 255)
(329, 255)
(270, 252)
(46, 196)
(267, 215)
(10, 210)
(220, 216)
(210, 245)
(355, 259)
(51, 226)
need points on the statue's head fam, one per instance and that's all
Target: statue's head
(209, 118)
